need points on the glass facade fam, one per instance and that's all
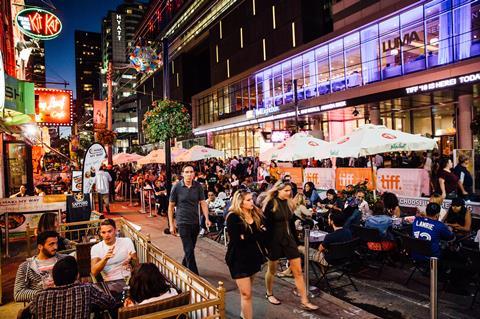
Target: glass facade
(244, 142)
(423, 37)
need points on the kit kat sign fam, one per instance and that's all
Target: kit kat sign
(38, 23)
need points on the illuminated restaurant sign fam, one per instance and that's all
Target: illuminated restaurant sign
(463, 79)
(38, 23)
(53, 107)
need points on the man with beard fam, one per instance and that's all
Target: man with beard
(35, 274)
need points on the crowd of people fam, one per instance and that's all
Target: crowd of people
(263, 213)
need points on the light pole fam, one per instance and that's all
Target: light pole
(166, 95)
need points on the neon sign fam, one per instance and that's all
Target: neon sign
(53, 107)
(38, 23)
(463, 79)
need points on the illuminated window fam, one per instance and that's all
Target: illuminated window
(264, 50)
(221, 31)
(129, 11)
(273, 18)
(294, 42)
(241, 38)
(216, 53)
(253, 7)
(228, 68)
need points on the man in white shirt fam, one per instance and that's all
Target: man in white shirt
(102, 185)
(112, 256)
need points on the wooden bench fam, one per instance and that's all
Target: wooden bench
(157, 306)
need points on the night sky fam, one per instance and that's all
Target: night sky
(85, 15)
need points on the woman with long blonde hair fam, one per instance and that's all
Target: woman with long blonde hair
(244, 255)
(278, 210)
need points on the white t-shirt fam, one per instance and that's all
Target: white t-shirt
(170, 293)
(113, 268)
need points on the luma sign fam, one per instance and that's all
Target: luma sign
(463, 79)
(38, 23)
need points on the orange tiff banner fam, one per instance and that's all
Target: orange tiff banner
(345, 176)
(296, 174)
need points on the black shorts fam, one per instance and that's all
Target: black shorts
(286, 249)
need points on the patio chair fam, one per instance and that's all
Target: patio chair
(157, 306)
(420, 247)
(473, 257)
(340, 258)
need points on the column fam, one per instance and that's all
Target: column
(374, 110)
(464, 118)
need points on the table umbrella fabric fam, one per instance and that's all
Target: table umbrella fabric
(372, 139)
(158, 156)
(297, 147)
(197, 153)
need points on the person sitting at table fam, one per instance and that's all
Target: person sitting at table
(147, 285)
(301, 214)
(39, 190)
(356, 209)
(215, 208)
(49, 221)
(339, 235)
(69, 299)
(431, 229)
(35, 274)
(438, 199)
(459, 217)
(311, 194)
(392, 207)
(382, 221)
(332, 202)
(112, 256)
(21, 193)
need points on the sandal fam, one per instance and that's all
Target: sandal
(283, 275)
(308, 306)
(272, 299)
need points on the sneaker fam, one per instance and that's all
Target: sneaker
(202, 233)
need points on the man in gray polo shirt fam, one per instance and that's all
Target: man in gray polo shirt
(187, 195)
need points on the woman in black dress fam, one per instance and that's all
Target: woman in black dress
(280, 241)
(244, 257)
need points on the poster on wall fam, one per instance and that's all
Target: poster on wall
(76, 181)
(403, 181)
(345, 176)
(94, 156)
(322, 178)
(470, 154)
(99, 115)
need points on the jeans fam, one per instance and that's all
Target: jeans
(189, 234)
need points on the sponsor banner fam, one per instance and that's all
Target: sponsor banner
(76, 181)
(296, 174)
(30, 204)
(79, 207)
(99, 115)
(92, 161)
(345, 176)
(422, 202)
(403, 181)
(322, 178)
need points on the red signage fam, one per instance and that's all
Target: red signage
(53, 107)
(39, 23)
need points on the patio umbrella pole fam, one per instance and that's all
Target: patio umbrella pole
(374, 182)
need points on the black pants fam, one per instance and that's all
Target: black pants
(189, 235)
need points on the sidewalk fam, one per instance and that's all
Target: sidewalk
(211, 264)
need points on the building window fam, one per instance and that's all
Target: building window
(228, 68)
(274, 22)
(253, 8)
(241, 38)
(221, 29)
(294, 41)
(178, 80)
(173, 67)
(264, 50)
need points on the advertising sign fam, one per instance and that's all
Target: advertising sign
(92, 161)
(38, 23)
(19, 95)
(99, 115)
(322, 178)
(422, 202)
(403, 181)
(471, 163)
(53, 107)
(118, 38)
(76, 181)
(79, 208)
(345, 176)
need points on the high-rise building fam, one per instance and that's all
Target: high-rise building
(118, 30)
(35, 71)
(88, 63)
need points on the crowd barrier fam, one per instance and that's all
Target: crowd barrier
(206, 301)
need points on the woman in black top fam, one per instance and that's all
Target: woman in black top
(244, 257)
(448, 183)
(459, 217)
(281, 240)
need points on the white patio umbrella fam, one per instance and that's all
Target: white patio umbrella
(297, 147)
(372, 139)
(158, 156)
(123, 158)
(197, 153)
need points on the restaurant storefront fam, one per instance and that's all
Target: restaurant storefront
(358, 77)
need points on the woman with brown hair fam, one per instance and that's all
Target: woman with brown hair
(280, 236)
(244, 255)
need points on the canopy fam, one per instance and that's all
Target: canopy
(123, 158)
(158, 156)
(299, 146)
(372, 139)
(197, 153)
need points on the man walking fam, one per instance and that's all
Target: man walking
(102, 184)
(186, 196)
